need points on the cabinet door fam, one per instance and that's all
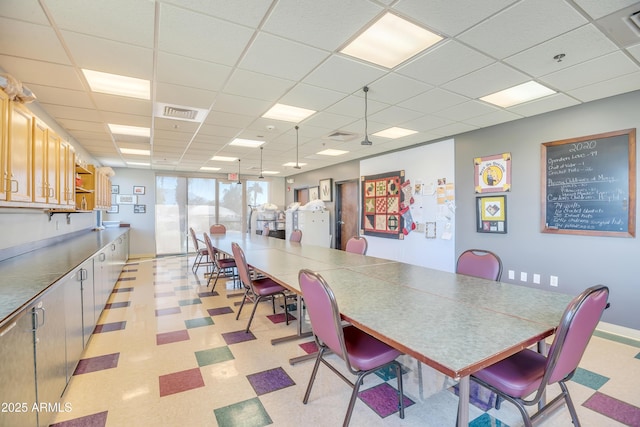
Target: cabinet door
(88, 302)
(40, 189)
(73, 320)
(51, 367)
(17, 370)
(19, 187)
(101, 280)
(67, 174)
(4, 173)
(54, 184)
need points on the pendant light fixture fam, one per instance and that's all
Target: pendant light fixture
(365, 141)
(297, 166)
(238, 173)
(261, 176)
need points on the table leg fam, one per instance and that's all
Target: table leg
(297, 336)
(463, 404)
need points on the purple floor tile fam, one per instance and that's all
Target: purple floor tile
(170, 337)
(271, 380)
(238, 337)
(208, 294)
(180, 381)
(309, 347)
(166, 311)
(613, 408)
(123, 290)
(219, 311)
(117, 305)
(279, 318)
(383, 399)
(93, 420)
(109, 327)
(98, 363)
(126, 279)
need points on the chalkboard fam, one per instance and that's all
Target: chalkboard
(588, 185)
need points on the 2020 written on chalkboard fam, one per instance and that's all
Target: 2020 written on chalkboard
(588, 185)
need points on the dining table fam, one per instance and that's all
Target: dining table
(454, 323)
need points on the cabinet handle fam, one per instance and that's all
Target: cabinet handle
(103, 256)
(35, 314)
(11, 182)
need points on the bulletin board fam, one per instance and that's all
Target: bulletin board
(381, 198)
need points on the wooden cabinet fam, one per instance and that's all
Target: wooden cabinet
(95, 189)
(48, 170)
(67, 175)
(19, 186)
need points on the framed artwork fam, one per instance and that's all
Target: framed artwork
(313, 193)
(138, 189)
(491, 214)
(326, 190)
(430, 230)
(127, 199)
(382, 205)
(113, 209)
(492, 173)
(115, 189)
(139, 208)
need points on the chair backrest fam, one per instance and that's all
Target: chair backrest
(574, 332)
(194, 238)
(357, 245)
(241, 265)
(479, 263)
(323, 312)
(218, 229)
(296, 236)
(209, 245)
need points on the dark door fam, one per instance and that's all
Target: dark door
(301, 196)
(346, 212)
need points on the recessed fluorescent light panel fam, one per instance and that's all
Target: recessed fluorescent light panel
(135, 151)
(137, 164)
(394, 133)
(332, 152)
(224, 159)
(390, 41)
(287, 113)
(129, 130)
(114, 84)
(292, 164)
(209, 168)
(252, 143)
(270, 172)
(518, 94)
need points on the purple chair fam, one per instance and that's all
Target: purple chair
(357, 245)
(362, 353)
(202, 254)
(480, 263)
(256, 289)
(296, 236)
(220, 263)
(528, 372)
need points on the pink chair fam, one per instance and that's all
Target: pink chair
(296, 236)
(357, 245)
(202, 254)
(527, 371)
(217, 229)
(362, 353)
(222, 265)
(256, 289)
(480, 263)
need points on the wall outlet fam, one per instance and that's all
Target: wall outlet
(536, 278)
(523, 276)
(512, 274)
(553, 280)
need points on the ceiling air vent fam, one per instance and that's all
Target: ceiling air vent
(179, 112)
(342, 136)
(622, 26)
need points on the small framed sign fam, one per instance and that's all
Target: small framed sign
(140, 209)
(491, 214)
(138, 189)
(127, 199)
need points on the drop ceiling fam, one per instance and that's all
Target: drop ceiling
(237, 58)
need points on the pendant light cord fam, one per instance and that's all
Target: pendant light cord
(297, 166)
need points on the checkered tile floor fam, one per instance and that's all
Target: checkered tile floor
(168, 352)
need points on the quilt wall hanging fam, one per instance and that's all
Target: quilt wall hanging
(382, 199)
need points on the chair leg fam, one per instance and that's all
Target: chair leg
(253, 312)
(400, 389)
(354, 397)
(244, 298)
(572, 409)
(313, 374)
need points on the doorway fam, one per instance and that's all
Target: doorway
(347, 218)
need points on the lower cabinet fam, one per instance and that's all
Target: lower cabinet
(41, 347)
(17, 370)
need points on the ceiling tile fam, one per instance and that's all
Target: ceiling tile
(43, 73)
(311, 97)
(467, 110)
(41, 44)
(494, 78)
(433, 100)
(579, 45)
(245, 12)
(353, 75)
(598, 8)
(604, 89)
(255, 85)
(394, 88)
(184, 71)
(184, 96)
(521, 26)
(548, 103)
(23, 10)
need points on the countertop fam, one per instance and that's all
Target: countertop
(25, 277)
